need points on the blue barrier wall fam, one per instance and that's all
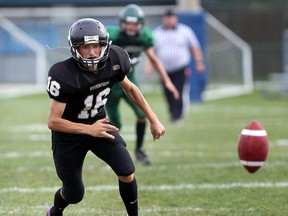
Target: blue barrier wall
(43, 31)
(198, 81)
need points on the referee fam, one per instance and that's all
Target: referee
(174, 45)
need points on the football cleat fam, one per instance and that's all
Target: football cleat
(48, 212)
(142, 157)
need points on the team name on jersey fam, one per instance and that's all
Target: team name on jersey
(99, 85)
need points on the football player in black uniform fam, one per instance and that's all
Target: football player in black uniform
(79, 88)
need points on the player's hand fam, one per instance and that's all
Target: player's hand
(199, 66)
(157, 129)
(101, 127)
(173, 90)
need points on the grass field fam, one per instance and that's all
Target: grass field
(195, 168)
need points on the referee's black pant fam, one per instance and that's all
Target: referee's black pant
(178, 78)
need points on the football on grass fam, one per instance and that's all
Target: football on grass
(253, 146)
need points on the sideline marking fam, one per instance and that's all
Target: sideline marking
(158, 188)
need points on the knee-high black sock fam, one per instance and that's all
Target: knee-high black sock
(140, 133)
(59, 204)
(128, 192)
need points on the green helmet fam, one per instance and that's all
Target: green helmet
(132, 13)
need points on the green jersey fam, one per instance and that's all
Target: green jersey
(134, 45)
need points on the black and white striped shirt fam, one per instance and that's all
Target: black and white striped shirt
(173, 46)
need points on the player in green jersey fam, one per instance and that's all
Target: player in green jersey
(135, 38)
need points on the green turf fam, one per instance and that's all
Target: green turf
(195, 168)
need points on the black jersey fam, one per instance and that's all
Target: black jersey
(85, 93)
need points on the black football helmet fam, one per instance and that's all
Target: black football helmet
(132, 13)
(85, 31)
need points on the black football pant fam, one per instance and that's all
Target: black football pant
(69, 161)
(175, 107)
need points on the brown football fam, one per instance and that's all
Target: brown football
(253, 146)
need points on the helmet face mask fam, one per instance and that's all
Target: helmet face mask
(131, 28)
(131, 14)
(89, 31)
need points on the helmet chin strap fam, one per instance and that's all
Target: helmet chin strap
(88, 64)
(92, 66)
(88, 67)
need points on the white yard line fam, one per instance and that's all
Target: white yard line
(34, 154)
(98, 188)
(98, 211)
